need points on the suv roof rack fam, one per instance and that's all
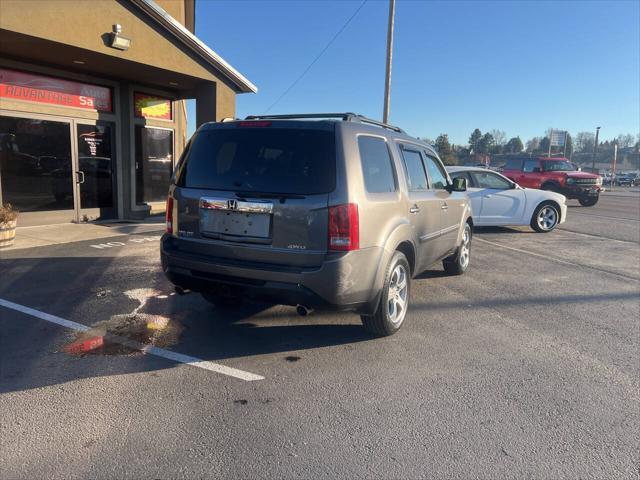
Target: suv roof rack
(345, 117)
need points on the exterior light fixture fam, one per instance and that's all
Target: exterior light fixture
(173, 84)
(118, 41)
(79, 62)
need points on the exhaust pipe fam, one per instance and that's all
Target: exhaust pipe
(181, 291)
(303, 310)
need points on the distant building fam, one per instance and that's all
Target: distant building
(92, 111)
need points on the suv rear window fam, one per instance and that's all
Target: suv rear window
(266, 160)
(376, 165)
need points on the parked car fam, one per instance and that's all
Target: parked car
(497, 201)
(627, 180)
(324, 211)
(557, 175)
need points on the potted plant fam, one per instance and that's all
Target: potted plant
(8, 221)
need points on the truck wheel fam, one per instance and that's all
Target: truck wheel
(545, 217)
(458, 263)
(589, 201)
(394, 301)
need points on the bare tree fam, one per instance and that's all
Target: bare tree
(625, 140)
(533, 144)
(499, 136)
(584, 142)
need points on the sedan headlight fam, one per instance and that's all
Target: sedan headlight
(599, 181)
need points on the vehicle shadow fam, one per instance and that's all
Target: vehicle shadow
(428, 274)
(33, 351)
(518, 230)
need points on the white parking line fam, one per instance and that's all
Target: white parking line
(158, 352)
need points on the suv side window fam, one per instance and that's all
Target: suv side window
(437, 177)
(529, 165)
(513, 164)
(377, 165)
(416, 177)
(491, 180)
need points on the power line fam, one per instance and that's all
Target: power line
(318, 56)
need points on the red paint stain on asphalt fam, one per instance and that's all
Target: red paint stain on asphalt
(84, 345)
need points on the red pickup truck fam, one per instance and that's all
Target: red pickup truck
(555, 174)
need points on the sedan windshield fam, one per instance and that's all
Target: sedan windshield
(558, 166)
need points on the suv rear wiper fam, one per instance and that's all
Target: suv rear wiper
(281, 196)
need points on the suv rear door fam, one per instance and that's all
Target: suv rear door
(424, 207)
(257, 191)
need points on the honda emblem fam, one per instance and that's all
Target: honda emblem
(232, 204)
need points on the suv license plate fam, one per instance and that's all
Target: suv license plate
(240, 224)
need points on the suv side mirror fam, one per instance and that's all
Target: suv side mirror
(459, 185)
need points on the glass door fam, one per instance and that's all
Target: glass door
(94, 171)
(36, 167)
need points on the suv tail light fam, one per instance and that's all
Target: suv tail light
(344, 231)
(169, 214)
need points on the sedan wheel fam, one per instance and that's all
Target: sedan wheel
(545, 218)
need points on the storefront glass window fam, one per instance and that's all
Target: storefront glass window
(35, 164)
(154, 163)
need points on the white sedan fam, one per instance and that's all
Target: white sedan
(497, 201)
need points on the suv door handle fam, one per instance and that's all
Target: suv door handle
(80, 175)
(487, 196)
(444, 206)
(414, 209)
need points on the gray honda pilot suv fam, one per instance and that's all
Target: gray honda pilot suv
(321, 211)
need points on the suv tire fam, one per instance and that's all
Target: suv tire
(545, 217)
(458, 263)
(589, 201)
(394, 300)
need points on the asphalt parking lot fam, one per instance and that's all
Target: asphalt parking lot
(527, 366)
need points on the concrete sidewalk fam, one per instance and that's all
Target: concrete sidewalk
(40, 236)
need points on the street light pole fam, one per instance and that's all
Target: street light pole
(387, 80)
(595, 150)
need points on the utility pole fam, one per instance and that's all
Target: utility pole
(595, 150)
(615, 159)
(387, 80)
(550, 140)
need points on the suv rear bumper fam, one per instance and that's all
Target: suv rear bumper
(344, 282)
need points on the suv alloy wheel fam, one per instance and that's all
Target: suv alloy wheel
(394, 301)
(458, 263)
